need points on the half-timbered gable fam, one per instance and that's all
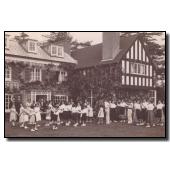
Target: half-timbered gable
(123, 59)
(137, 66)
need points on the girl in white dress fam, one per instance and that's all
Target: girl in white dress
(107, 111)
(37, 114)
(90, 113)
(23, 118)
(101, 115)
(130, 112)
(13, 115)
(159, 113)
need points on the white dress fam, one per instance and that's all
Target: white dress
(37, 114)
(13, 115)
(101, 113)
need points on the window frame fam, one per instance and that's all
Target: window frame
(29, 46)
(34, 76)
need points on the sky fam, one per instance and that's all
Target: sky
(95, 37)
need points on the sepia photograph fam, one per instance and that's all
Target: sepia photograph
(94, 85)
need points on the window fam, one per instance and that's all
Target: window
(36, 74)
(8, 73)
(137, 68)
(60, 98)
(32, 46)
(123, 66)
(57, 51)
(60, 51)
(53, 50)
(8, 98)
(147, 60)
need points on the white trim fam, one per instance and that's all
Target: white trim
(140, 51)
(132, 55)
(36, 93)
(127, 67)
(8, 109)
(35, 46)
(127, 55)
(131, 81)
(34, 74)
(127, 80)
(136, 50)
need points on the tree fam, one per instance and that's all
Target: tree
(54, 37)
(58, 36)
(22, 36)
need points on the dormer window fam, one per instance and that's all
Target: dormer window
(54, 50)
(57, 51)
(60, 51)
(32, 46)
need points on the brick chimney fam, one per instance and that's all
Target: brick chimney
(111, 45)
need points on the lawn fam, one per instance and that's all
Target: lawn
(92, 130)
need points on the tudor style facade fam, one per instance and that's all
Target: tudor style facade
(31, 66)
(123, 56)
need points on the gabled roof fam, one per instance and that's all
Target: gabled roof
(15, 49)
(91, 56)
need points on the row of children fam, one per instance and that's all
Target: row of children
(138, 112)
(69, 113)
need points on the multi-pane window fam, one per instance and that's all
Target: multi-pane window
(143, 81)
(53, 50)
(140, 52)
(137, 68)
(57, 51)
(60, 51)
(144, 56)
(60, 98)
(136, 81)
(32, 46)
(151, 83)
(8, 73)
(36, 74)
(136, 50)
(140, 83)
(147, 82)
(127, 55)
(8, 98)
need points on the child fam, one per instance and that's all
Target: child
(54, 118)
(159, 113)
(150, 118)
(13, 115)
(113, 111)
(101, 115)
(37, 113)
(90, 113)
(137, 108)
(23, 118)
(107, 111)
(130, 112)
(69, 108)
(77, 114)
(144, 111)
(32, 119)
(84, 113)
(48, 114)
(123, 106)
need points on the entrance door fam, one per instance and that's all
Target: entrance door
(41, 97)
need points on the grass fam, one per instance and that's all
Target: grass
(92, 130)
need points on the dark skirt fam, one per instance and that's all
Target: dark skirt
(159, 113)
(139, 114)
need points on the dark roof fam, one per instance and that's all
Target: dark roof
(91, 56)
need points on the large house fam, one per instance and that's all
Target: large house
(123, 59)
(35, 71)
